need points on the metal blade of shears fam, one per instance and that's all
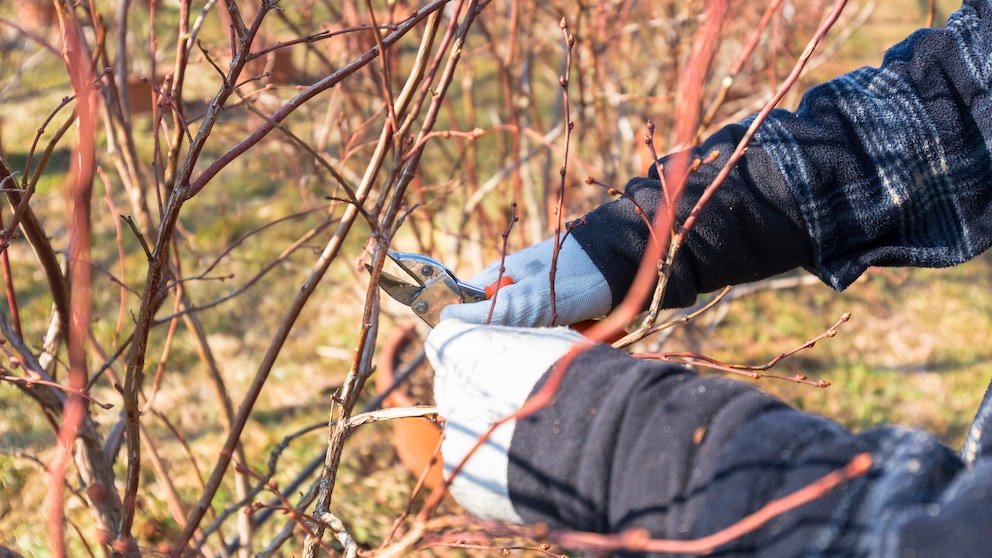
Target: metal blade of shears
(436, 286)
(401, 291)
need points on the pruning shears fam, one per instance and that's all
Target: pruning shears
(431, 286)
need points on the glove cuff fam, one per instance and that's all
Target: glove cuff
(483, 374)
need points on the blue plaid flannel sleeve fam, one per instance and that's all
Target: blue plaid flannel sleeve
(891, 166)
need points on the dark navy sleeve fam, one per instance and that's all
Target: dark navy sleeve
(629, 443)
(883, 166)
(751, 228)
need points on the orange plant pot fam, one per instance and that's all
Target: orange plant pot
(416, 439)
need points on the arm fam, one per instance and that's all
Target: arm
(629, 443)
(883, 166)
(684, 456)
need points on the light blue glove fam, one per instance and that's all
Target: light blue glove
(581, 291)
(481, 375)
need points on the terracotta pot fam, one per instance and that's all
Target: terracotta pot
(415, 439)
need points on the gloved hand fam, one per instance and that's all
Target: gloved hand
(483, 374)
(581, 291)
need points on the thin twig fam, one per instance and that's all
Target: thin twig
(563, 82)
(755, 372)
(728, 80)
(505, 237)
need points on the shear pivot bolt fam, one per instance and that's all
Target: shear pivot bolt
(427, 271)
(421, 307)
